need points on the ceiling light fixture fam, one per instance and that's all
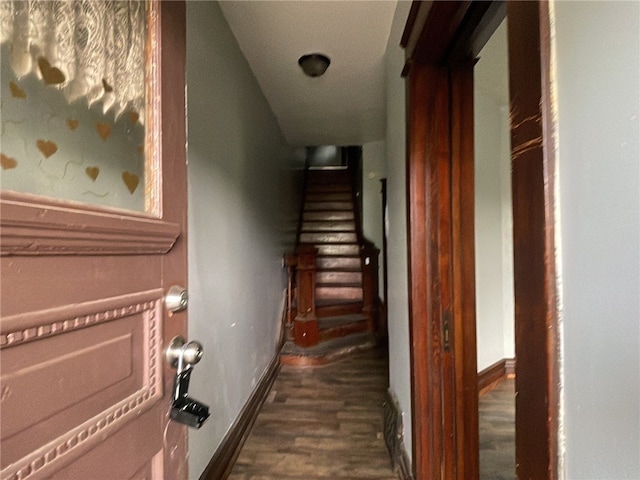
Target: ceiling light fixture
(314, 64)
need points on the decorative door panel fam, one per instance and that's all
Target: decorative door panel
(56, 392)
(84, 388)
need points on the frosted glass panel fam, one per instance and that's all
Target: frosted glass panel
(73, 100)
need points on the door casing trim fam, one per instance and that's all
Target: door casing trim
(447, 36)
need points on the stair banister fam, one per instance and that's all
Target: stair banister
(305, 324)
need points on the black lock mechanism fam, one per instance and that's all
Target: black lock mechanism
(183, 357)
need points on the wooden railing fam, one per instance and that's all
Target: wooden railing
(301, 319)
(305, 321)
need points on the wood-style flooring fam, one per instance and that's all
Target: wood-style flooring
(327, 423)
(497, 411)
(321, 423)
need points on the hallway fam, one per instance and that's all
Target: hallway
(327, 423)
(323, 422)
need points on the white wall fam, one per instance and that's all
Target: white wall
(493, 217)
(398, 302)
(598, 106)
(243, 208)
(373, 169)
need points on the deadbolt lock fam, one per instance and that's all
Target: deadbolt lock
(176, 299)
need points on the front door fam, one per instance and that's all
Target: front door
(93, 226)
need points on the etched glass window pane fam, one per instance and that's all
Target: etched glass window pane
(73, 104)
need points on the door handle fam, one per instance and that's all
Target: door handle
(183, 356)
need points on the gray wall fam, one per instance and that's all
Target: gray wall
(598, 105)
(398, 302)
(493, 218)
(243, 207)
(373, 169)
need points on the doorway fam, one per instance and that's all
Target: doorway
(442, 40)
(494, 259)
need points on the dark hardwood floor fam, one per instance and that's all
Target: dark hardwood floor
(321, 422)
(497, 410)
(327, 423)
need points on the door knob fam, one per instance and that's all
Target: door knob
(176, 299)
(183, 356)
(190, 354)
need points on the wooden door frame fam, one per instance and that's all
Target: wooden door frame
(442, 40)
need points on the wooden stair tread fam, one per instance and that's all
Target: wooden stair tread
(339, 320)
(329, 225)
(339, 285)
(338, 302)
(339, 270)
(327, 351)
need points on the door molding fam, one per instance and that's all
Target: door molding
(34, 225)
(533, 179)
(442, 39)
(128, 322)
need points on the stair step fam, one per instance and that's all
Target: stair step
(342, 325)
(338, 291)
(328, 215)
(346, 249)
(335, 307)
(338, 263)
(323, 187)
(327, 351)
(328, 226)
(315, 206)
(328, 237)
(331, 276)
(340, 320)
(329, 178)
(328, 197)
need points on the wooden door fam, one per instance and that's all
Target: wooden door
(85, 389)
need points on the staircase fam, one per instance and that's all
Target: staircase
(332, 311)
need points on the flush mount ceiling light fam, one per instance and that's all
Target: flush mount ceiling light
(314, 64)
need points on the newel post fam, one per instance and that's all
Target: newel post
(305, 324)
(369, 257)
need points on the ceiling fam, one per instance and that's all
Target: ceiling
(345, 106)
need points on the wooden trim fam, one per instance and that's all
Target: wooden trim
(427, 116)
(442, 263)
(224, 458)
(435, 25)
(35, 226)
(494, 374)
(463, 267)
(533, 225)
(35, 325)
(393, 437)
(305, 323)
(444, 40)
(480, 22)
(550, 161)
(415, 23)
